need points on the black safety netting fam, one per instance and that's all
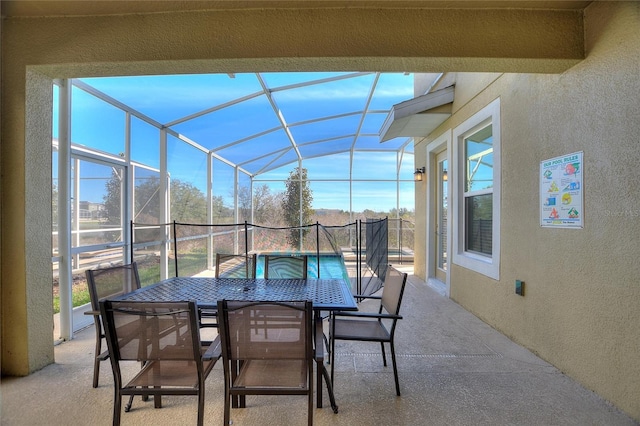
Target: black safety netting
(190, 249)
(375, 253)
(356, 252)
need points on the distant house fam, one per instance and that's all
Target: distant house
(91, 210)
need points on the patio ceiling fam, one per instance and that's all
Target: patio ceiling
(262, 121)
(101, 7)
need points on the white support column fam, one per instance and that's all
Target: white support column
(300, 216)
(210, 209)
(353, 237)
(398, 167)
(253, 217)
(164, 206)
(351, 185)
(236, 215)
(127, 197)
(64, 211)
(75, 209)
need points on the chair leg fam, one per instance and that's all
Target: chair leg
(310, 402)
(98, 352)
(324, 336)
(127, 406)
(117, 407)
(96, 369)
(333, 353)
(395, 368)
(332, 398)
(319, 368)
(227, 408)
(326, 343)
(201, 403)
(384, 356)
(157, 400)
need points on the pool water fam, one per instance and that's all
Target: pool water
(330, 267)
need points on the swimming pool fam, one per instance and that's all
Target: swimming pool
(331, 266)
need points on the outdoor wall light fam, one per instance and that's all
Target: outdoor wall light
(418, 175)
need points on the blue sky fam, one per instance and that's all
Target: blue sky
(232, 116)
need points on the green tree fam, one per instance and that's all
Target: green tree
(244, 203)
(111, 199)
(220, 212)
(296, 204)
(266, 205)
(188, 203)
(147, 200)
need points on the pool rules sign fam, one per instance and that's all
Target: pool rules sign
(561, 197)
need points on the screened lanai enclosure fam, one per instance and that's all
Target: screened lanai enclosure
(169, 170)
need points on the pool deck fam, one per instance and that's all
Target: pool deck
(453, 368)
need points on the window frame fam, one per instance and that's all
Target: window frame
(481, 263)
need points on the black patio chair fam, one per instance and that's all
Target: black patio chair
(164, 337)
(284, 266)
(235, 265)
(272, 355)
(370, 327)
(107, 282)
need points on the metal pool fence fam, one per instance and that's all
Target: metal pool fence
(188, 249)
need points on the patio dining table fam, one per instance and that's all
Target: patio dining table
(325, 295)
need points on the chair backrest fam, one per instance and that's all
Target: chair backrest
(235, 265)
(393, 289)
(284, 266)
(111, 282)
(265, 330)
(151, 331)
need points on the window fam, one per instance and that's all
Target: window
(477, 200)
(478, 191)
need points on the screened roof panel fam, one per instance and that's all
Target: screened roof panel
(279, 79)
(311, 150)
(326, 129)
(166, 98)
(258, 147)
(338, 168)
(391, 88)
(373, 143)
(235, 122)
(255, 164)
(328, 98)
(287, 158)
(372, 123)
(262, 121)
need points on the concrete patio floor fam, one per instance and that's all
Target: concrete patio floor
(454, 370)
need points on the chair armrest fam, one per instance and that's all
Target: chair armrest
(366, 315)
(214, 351)
(94, 313)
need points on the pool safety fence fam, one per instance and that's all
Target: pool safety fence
(188, 249)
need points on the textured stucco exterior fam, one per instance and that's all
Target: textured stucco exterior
(580, 309)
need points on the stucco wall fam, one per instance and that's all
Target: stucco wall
(580, 309)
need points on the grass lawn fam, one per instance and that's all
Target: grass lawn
(189, 264)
